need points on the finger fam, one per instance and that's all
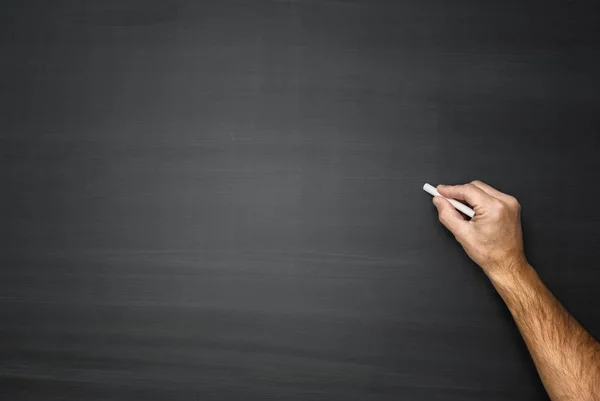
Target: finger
(490, 190)
(449, 216)
(467, 192)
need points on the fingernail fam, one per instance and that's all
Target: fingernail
(441, 186)
(436, 200)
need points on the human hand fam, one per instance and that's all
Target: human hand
(493, 237)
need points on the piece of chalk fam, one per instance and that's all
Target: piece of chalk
(461, 207)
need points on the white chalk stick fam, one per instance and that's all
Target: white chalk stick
(461, 207)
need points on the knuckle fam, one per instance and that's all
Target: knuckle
(476, 182)
(497, 207)
(513, 203)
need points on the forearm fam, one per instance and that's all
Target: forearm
(566, 356)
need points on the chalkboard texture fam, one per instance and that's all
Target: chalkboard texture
(221, 200)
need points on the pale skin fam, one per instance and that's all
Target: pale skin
(566, 356)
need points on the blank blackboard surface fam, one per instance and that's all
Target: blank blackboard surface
(221, 200)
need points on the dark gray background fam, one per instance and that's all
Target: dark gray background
(222, 199)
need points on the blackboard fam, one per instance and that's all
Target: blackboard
(221, 200)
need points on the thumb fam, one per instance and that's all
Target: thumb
(449, 216)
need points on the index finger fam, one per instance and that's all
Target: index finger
(467, 192)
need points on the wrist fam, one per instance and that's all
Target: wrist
(518, 287)
(508, 271)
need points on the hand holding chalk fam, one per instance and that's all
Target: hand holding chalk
(493, 239)
(459, 206)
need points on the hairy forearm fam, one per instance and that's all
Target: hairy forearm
(566, 356)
